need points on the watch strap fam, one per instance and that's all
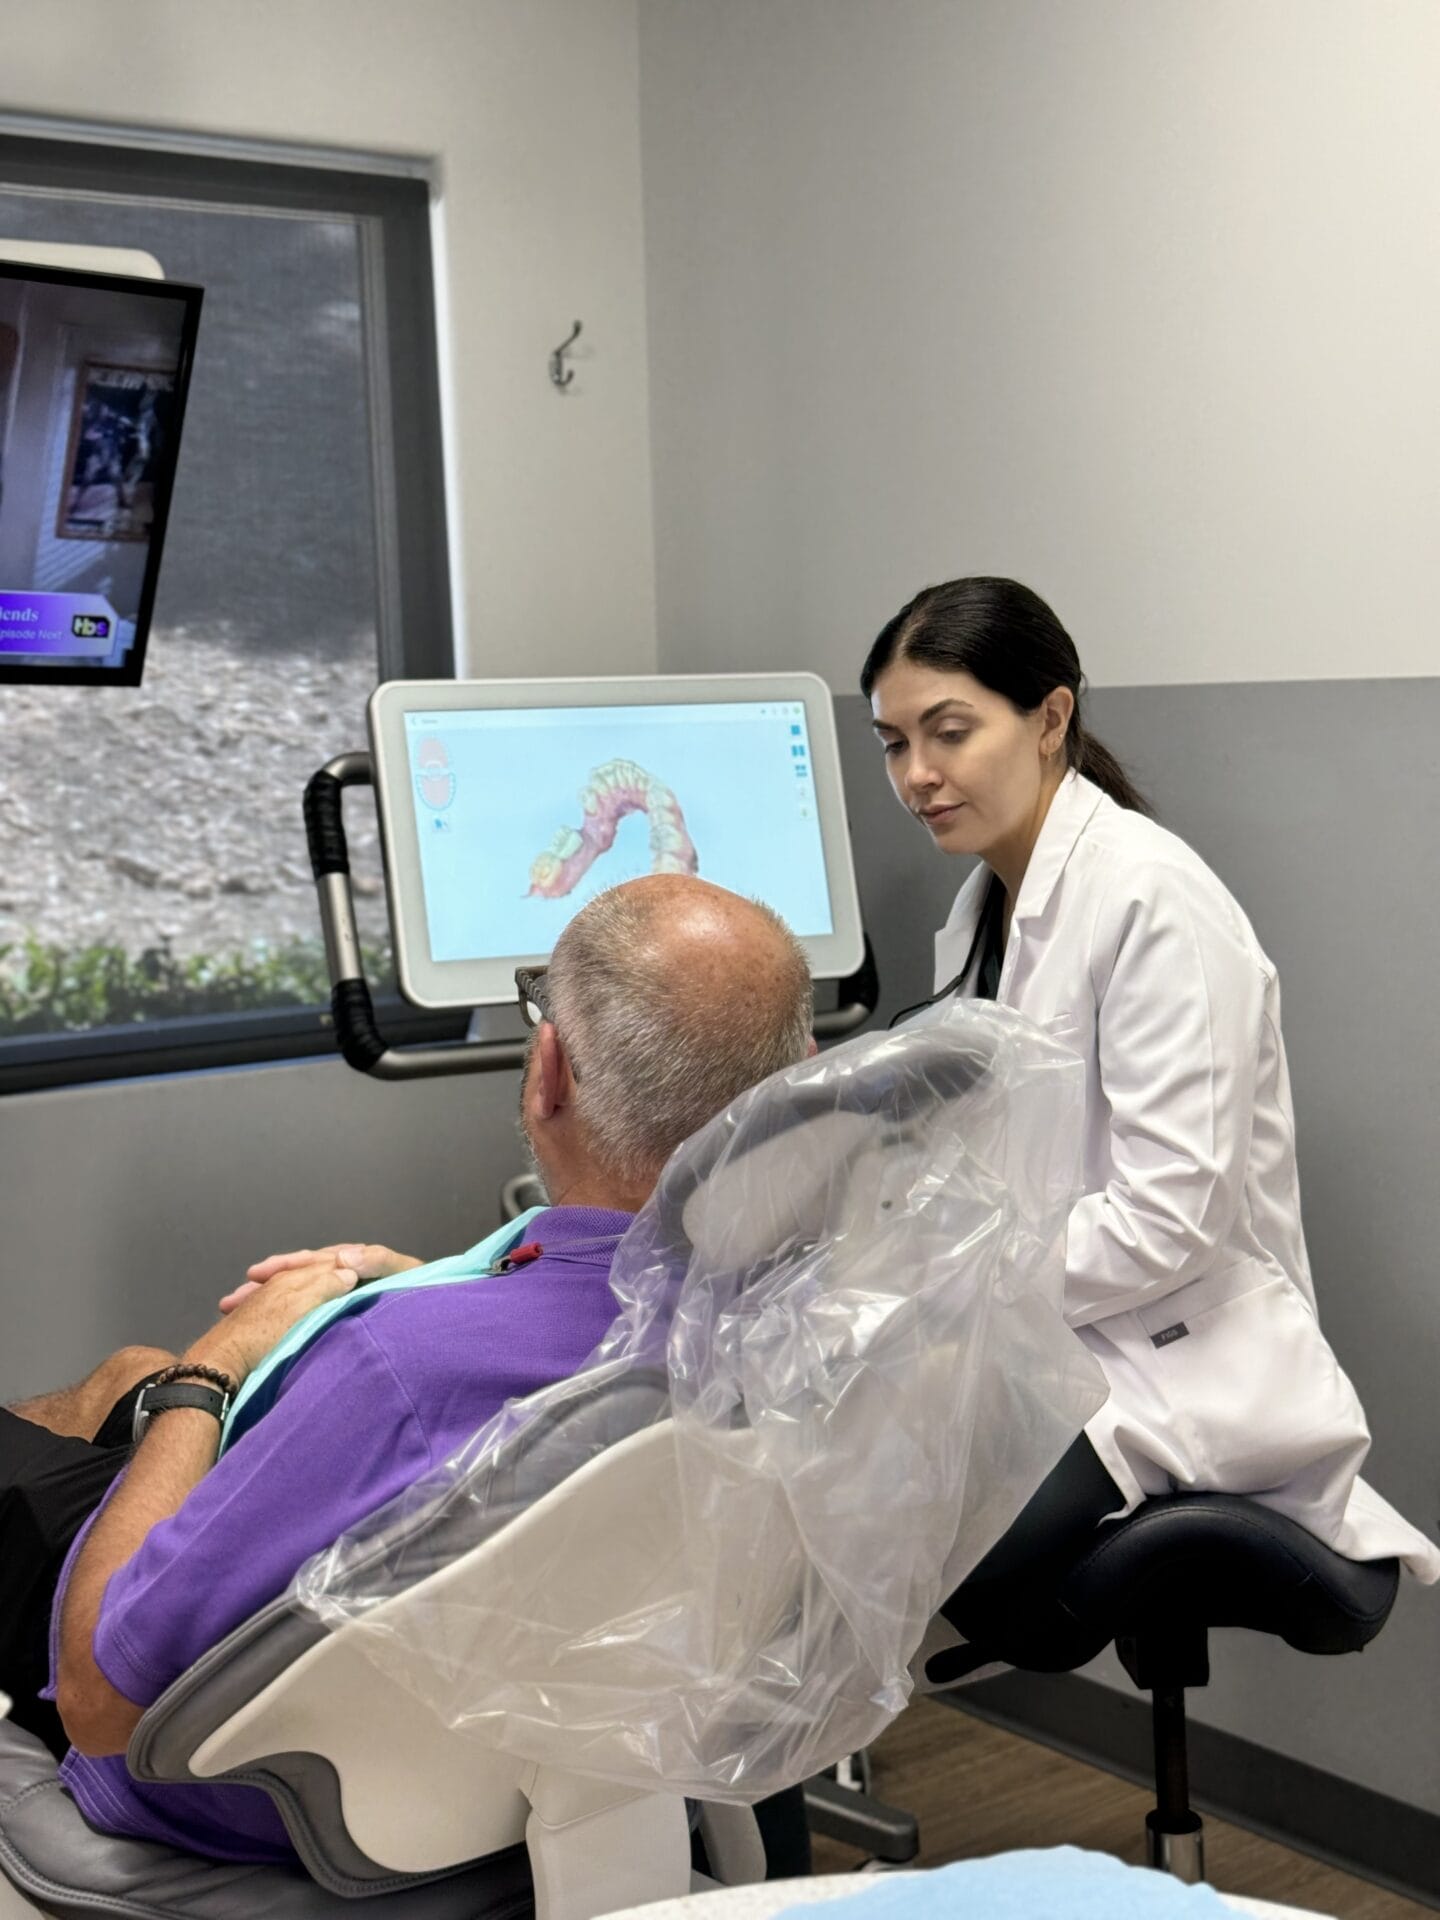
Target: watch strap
(177, 1393)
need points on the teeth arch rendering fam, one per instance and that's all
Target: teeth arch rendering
(617, 788)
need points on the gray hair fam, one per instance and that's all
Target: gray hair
(659, 1053)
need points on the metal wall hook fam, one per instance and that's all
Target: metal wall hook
(558, 372)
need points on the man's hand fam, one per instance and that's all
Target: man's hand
(368, 1262)
(176, 1453)
(239, 1342)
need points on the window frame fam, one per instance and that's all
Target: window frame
(414, 628)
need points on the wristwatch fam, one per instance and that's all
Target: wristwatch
(176, 1393)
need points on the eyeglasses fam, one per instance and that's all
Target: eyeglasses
(534, 997)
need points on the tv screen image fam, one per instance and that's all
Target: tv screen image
(94, 370)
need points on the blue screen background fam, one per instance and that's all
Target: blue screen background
(741, 772)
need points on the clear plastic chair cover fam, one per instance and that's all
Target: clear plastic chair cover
(843, 1306)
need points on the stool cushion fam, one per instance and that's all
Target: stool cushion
(1194, 1560)
(52, 1855)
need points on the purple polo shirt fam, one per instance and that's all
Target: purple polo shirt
(382, 1397)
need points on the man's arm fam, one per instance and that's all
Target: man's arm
(178, 1450)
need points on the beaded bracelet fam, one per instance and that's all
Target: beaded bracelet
(188, 1370)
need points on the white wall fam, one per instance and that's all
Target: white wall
(1136, 303)
(531, 111)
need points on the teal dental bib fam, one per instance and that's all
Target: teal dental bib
(261, 1386)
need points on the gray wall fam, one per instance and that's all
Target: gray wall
(130, 1207)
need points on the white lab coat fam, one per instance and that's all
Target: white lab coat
(1186, 1270)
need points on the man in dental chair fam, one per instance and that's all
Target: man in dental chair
(664, 1000)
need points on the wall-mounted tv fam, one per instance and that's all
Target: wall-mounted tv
(94, 372)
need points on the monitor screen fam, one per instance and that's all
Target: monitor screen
(509, 817)
(94, 370)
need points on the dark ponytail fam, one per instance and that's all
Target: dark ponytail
(1097, 763)
(1011, 642)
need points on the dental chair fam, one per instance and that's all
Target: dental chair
(797, 1353)
(378, 1797)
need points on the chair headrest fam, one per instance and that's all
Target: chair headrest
(814, 1154)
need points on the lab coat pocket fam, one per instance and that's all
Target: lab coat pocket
(1253, 1383)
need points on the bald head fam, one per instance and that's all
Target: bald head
(673, 996)
(694, 941)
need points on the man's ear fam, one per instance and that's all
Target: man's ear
(813, 1048)
(554, 1082)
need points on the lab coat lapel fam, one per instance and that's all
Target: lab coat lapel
(952, 942)
(1070, 813)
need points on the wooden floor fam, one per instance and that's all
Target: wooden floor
(978, 1790)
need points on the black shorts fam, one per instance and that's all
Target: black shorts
(49, 1486)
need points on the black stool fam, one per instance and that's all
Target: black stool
(1155, 1584)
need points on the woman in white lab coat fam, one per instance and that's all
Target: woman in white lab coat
(1186, 1269)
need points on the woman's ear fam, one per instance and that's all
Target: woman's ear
(1058, 712)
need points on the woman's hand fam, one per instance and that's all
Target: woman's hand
(366, 1262)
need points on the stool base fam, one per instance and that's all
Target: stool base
(1181, 1855)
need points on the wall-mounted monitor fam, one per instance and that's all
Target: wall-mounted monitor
(506, 804)
(94, 372)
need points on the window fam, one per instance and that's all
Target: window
(156, 906)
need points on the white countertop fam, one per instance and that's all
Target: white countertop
(770, 1897)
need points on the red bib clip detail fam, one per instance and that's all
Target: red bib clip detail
(519, 1257)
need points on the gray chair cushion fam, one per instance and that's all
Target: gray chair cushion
(52, 1855)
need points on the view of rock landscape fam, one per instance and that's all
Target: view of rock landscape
(151, 837)
(170, 812)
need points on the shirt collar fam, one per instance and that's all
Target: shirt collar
(579, 1232)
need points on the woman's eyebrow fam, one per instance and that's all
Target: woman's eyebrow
(940, 706)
